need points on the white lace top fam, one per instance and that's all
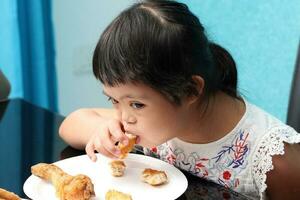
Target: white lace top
(238, 161)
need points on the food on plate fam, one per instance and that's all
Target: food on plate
(125, 149)
(154, 177)
(116, 195)
(79, 187)
(6, 195)
(117, 168)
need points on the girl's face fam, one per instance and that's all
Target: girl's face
(147, 113)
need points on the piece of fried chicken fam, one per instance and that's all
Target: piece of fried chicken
(125, 149)
(79, 187)
(116, 195)
(117, 168)
(154, 177)
(6, 195)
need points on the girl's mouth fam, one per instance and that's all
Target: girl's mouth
(138, 139)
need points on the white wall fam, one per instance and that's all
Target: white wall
(77, 28)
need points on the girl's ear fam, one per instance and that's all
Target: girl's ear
(199, 85)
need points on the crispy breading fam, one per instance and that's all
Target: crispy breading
(79, 187)
(117, 168)
(154, 177)
(125, 149)
(6, 195)
(116, 195)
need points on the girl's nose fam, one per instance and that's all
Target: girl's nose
(128, 119)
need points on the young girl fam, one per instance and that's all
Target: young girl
(177, 91)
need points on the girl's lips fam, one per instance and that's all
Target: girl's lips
(138, 139)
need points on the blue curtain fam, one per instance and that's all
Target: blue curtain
(27, 55)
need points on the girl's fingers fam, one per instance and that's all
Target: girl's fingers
(105, 142)
(104, 152)
(101, 148)
(92, 147)
(108, 143)
(117, 133)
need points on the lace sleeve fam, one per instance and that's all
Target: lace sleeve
(270, 144)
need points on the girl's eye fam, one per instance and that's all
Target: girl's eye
(137, 105)
(113, 101)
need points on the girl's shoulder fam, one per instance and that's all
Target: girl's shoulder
(268, 132)
(263, 126)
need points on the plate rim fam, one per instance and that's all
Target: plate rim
(130, 156)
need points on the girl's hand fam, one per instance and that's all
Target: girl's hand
(104, 139)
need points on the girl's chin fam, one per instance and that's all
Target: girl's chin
(144, 143)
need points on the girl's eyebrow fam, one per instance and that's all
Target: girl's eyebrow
(126, 96)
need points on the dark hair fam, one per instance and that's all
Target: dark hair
(162, 44)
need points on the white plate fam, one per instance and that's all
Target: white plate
(38, 189)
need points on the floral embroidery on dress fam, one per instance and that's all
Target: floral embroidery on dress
(171, 158)
(231, 158)
(222, 168)
(200, 168)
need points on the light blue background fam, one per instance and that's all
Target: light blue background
(263, 37)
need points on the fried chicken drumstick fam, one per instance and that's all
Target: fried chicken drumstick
(79, 187)
(6, 195)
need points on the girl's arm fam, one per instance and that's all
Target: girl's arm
(79, 126)
(283, 182)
